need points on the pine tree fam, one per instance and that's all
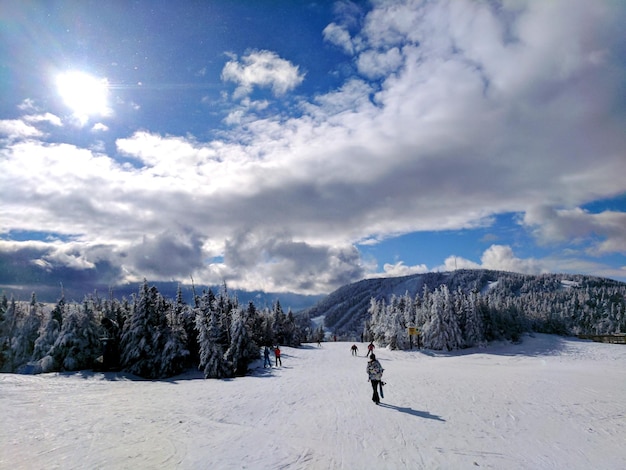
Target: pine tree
(242, 350)
(8, 329)
(151, 347)
(138, 355)
(171, 345)
(184, 317)
(474, 329)
(78, 343)
(24, 335)
(208, 326)
(442, 332)
(44, 344)
(212, 361)
(279, 321)
(58, 313)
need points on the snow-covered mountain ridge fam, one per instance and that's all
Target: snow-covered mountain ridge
(345, 311)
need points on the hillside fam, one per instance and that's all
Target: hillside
(345, 311)
(548, 402)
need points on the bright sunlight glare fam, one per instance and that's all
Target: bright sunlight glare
(84, 94)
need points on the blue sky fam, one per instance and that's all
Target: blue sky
(297, 146)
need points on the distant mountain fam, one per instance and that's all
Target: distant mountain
(295, 302)
(346, 309)
(76, 293)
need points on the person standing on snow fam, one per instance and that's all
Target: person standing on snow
(355, 350)
(277, 355)
(375, 375)
(370, 348)
(266, 356)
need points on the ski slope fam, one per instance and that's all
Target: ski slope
(548, 403)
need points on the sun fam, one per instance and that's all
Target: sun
(84, 94)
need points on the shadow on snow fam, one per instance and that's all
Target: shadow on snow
(411, 411)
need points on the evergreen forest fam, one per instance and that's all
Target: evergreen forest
(148, 335)
(154, 337)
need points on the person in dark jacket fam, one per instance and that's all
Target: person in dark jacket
(266, 356)
(375, 375)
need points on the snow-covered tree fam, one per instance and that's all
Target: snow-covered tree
(442, 331)
(44, 345)
(78, 343)
(242, 349)
(474, 329)
(25, 334)
(184, 317)
(212, 362)
(12, 316)
(150, 348)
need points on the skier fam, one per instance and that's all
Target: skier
(355, 350)
(375, 376)
(277, 355)
(266, 356)
(370, 348)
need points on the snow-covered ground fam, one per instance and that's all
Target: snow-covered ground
(546, 403)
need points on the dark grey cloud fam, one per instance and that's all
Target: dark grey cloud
(171, 254)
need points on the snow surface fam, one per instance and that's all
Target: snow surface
(547, 403)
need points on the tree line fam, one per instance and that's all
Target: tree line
(454, 319)
(148, 335)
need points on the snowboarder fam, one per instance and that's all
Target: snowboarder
(277, 356)
(375, 376)
(370, 348)
(266, 356)
(355, 350)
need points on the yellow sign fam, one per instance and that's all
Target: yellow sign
(412, 331)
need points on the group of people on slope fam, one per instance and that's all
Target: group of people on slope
(374, 371)
(266, 356)
(355, 349)
(374, 368)
(374, 374)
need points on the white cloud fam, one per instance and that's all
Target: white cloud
(400, 269)
(478, 111)
(577, 225)
(45, 117)
(374, 64)
(99, 127)
(339, 36)
(264, 69)
(18, 129)
(500, 258)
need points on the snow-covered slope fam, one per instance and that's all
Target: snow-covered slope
(346, 310)
(546, 403)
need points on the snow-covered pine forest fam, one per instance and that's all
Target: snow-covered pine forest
(155, 337)
(454, 320)
(149, 335)
(471, 307)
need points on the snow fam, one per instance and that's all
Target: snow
(548, 402)
(569, 284)
(491, 285)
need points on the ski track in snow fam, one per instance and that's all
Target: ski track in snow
(547, 403)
